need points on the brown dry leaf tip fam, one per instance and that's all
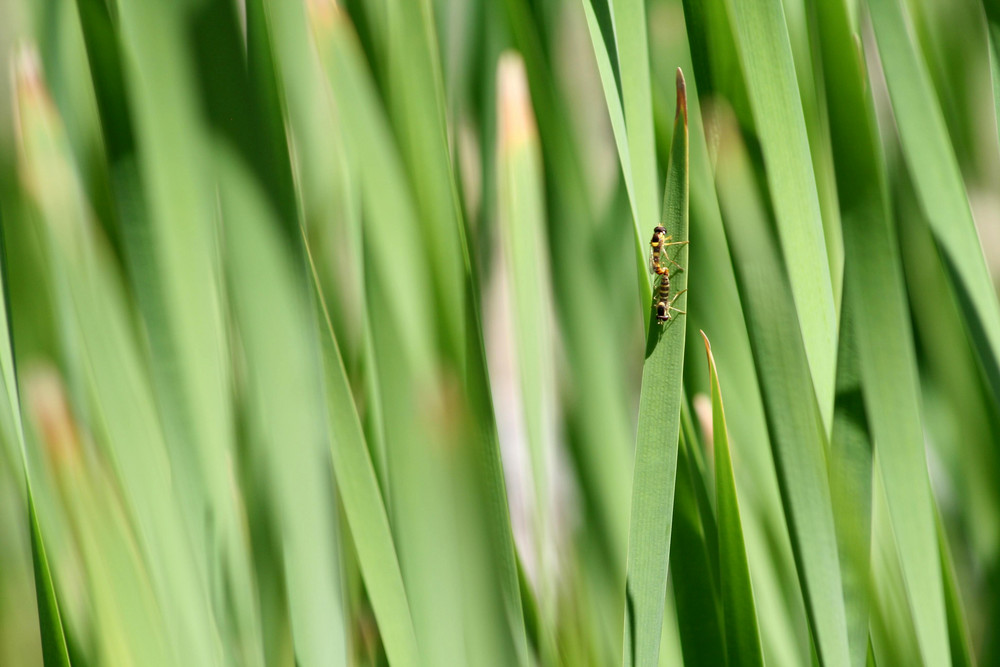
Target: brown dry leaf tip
(51, 414)
(28, 71)
(322, 13)
(517, 121)
(682, 104)
(29, 82)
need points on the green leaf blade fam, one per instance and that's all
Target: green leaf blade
(659, 426)
(765, 52)
(740, 610)
(366, 515)
(882, 329)
(275, 323)
(931, 161)
(798, 434)
(54, 650)
(104, 357)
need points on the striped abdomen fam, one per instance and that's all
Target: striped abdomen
(664, 291)
(663, 297)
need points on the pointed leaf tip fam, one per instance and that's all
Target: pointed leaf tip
(682, 107)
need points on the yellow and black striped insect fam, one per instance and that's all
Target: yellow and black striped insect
(657, 252)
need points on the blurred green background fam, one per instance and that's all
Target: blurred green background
(327, 336)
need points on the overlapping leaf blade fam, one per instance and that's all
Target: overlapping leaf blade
(877, 295)
(798, 434)
(285, 397)
(54, 650)
(106, 361)
(765, 53)
(930, 159)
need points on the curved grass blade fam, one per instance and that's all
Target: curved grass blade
(424, 506)
(172, 252)
(607, 66)
(174, 275)
(934, 168)
(105, 356)
(958, 629)
(490, 554)
(447, 535)
(739, 608)
(415, 97)
(659, 424)
(882, 324)
(120, 591)
(359, 490)
(257, 109)
(416, 104)
(765, 51)
(851, 484)
(54, 649)
(274, 320)
(798, 434)
(360, 468)
(326, 180)
(950, 368)
(390, 211)
(631, 37)
(862, 198)
(625, 76)
(132, 629)
(405, 353)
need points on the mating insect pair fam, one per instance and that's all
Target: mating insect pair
(664, 304)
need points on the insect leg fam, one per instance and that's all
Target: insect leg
(672, 261)
(670, 305)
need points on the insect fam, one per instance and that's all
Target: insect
(657, 252)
